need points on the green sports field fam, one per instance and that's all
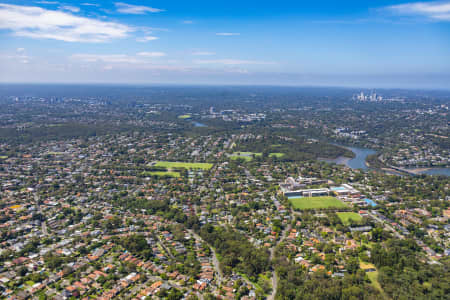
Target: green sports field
(347, 216)
(184, 117)
(189, 166)
(324, 202)
(248, 156)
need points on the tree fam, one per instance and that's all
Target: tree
(352, 265)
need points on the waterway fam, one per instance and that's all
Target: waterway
(436, 171)
(197, 124)
(358, 162)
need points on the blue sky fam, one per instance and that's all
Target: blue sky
(339, 43)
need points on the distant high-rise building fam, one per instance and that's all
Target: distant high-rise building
(372, 96)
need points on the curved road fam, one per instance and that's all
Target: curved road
(214, 258)
(272, 252)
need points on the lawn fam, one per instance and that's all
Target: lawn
(162, 174)
(373, 276)
(184, 117)
(190, 166)
(347, 216)
(3, 157)
(248, 156)
(365, 265)
(304, 203)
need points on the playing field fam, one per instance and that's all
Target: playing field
(190, 166)
(184, 117)
(248, 156)
(162, 174)
(347, 216)
(244, 155)
(324, 202)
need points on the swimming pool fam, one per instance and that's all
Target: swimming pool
(338, 188)
(370, 202)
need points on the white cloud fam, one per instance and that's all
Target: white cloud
(90, 4)
(151, 54)
(18, 56)
(107, 58)
(147, 39)
(135, 9)
(233, 62)
(228, 33)
(203, 53)
(40, 23)
(70, 8)
(47, 2)
(188, 22)
(437, 10)
(139, 58)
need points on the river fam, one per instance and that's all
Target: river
(436, 171)
(358, 162)
(198, 124)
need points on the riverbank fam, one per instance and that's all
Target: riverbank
(434, 171)
(418, 170)
(357, 162)
(366, 159)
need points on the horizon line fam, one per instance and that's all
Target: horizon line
(160, 84)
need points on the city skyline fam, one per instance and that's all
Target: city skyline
(402, 44)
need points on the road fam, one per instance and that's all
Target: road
(214, 258)
(387, 226)
(165, 248)
(274, 274)
(44, 228)
(217, 267)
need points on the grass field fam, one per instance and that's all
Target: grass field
(190, 166)
(317, 203)
(347, 216)
(184, 117)
(278, 155)
(366, 265)
(3, 157)
(162, 174)
(248, 156)
(373, 276)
